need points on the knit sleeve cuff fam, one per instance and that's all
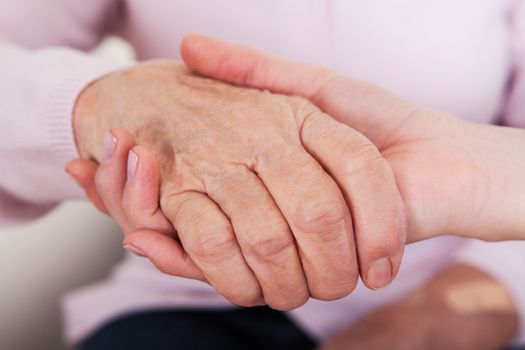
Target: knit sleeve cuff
(58, 109)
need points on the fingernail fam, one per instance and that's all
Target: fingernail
(380, 274)
(110, 143)
(132, 164)
(134, 249)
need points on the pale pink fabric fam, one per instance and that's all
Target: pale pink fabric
(466, 57)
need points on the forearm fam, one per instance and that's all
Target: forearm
(498, 163)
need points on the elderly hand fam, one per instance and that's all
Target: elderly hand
(256, 185)
(455, 177)
(462, 309)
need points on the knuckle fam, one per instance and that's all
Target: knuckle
(271, 248)
(178, 205)
(389, 243)
(320, 218)
(170, 206)
(310, 122)
(247, 296)
(335, 289)
(302, 106)
(214, 248)
(364, 159)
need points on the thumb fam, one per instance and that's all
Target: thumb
(244, 66)
(369, 109)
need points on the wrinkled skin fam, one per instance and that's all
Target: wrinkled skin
(258, 186)
(455, 177)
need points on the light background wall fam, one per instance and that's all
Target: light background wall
(72, 246)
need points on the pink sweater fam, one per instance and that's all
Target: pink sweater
(466, 57)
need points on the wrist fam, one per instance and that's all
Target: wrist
(134, 99)
(93, 116)
(84, 125)
(497, 205)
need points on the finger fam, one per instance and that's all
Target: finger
(83, 172)
(245, 66)
(207, 236)
(140, 197)
(265, 239)
(372, 111)
(370, 188)
(318, 216)
(164, 252)
(111, 175)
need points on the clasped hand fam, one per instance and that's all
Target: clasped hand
(261, 195)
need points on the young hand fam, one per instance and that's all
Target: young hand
(455, 177)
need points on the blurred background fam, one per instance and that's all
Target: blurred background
(39, 262)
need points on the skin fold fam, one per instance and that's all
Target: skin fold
(450, 174)
(455, 177)
(461, 308)
(264, 191)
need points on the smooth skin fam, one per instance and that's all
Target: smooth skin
(261, 195)
(455, 177)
